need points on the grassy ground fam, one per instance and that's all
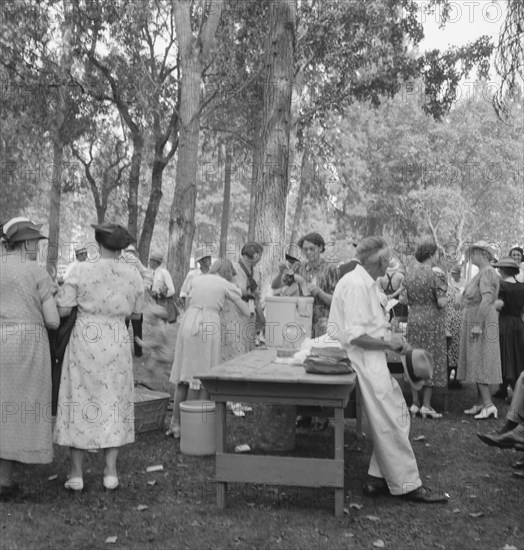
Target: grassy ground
(485, 509)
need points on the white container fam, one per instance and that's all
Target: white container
(197, 428)
(289, 320)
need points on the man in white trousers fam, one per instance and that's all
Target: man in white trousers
(357, 317)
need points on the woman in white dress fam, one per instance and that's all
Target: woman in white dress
(95, 400)
(199, 337)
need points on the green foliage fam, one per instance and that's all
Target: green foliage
(403, 173)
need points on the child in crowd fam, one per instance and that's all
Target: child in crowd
(156, 340)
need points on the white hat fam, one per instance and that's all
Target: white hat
(201, 253)
(418, 367)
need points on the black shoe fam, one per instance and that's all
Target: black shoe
(375, 486)
(425, 496)
(508, 426)
(500, 394)
(504, 441)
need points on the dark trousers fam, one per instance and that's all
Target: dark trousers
(137, 331)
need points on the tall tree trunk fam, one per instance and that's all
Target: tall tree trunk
(306, 178)
(152, 210)
(225, 204)
(272, 174)
(59, 136)
(134, 180)
(193, 53)
(252, 196)
(54, 208)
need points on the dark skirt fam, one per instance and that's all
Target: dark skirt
(511, 337)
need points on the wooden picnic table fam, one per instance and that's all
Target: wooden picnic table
(256, 377)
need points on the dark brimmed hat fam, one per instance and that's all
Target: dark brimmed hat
(112, 235)
(418, 367)
(507, 263)
(20, 229)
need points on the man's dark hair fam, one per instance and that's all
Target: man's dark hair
(251, 248)
(425, 251)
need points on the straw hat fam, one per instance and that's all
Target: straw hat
(394, 265)
(131, 248)
(418, 367)
(21, 229)
(201, 253)
(156, 256)
(483, 245)
(508, 262)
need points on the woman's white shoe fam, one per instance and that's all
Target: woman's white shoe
(74, 484)
(487, 412)
(432, 413)
(414, 410)
(474, 410)
(110, 482)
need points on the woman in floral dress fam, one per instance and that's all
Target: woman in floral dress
(318, 278)
(453, 320)
(425, 290)
(95, 400)
(479, 356)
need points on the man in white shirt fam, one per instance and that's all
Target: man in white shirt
(202, 258)
(162, 286)
(357, 317)
(130, 256)
(80, 256)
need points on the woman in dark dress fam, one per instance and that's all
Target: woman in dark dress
(511, 324)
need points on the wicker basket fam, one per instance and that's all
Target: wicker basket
(150, 409)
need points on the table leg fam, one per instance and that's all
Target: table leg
(220, 448)
(358, 397)
(339, 455)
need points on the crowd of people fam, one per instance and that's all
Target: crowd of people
(472, 326)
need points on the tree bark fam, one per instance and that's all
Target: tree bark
(152, 210)
(193, 53)
(134, 181)
(306, 178)
(54, 208)
(251, 226)
(226, 204)
(272, 173)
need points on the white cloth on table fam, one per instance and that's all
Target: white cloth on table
(356, 310)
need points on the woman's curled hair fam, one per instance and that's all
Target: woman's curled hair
(425, 251)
